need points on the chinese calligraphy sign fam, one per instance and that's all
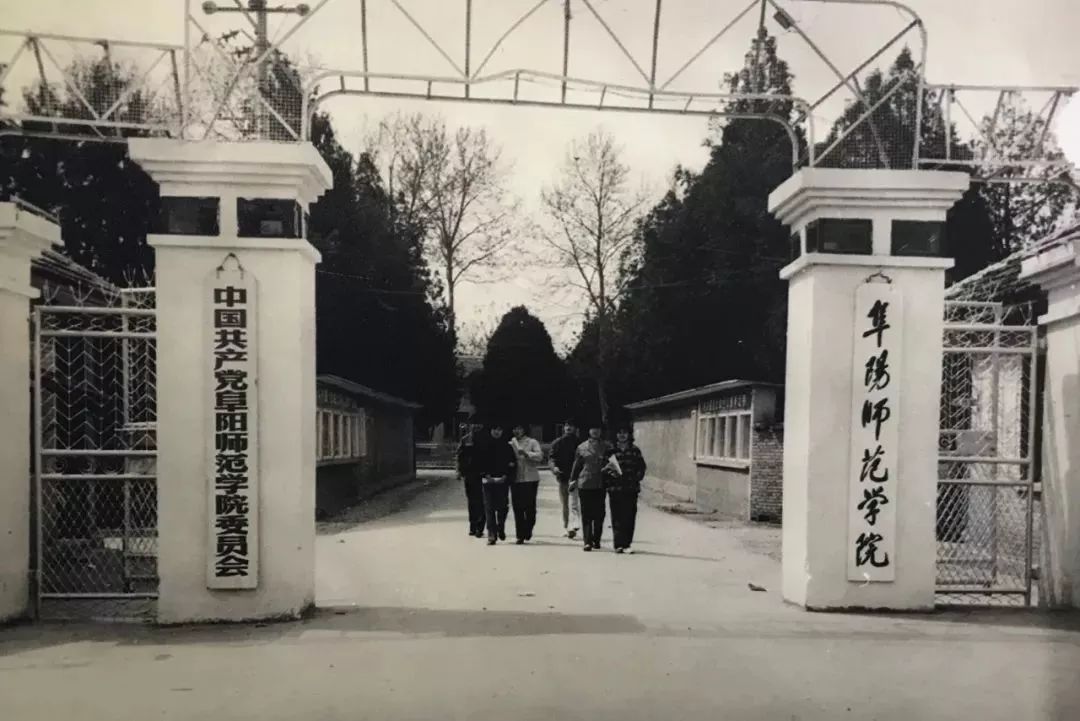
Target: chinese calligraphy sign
(873, 482)
(232, 428)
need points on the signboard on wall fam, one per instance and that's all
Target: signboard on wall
(873, 481)
(232, 425)
(731, 402)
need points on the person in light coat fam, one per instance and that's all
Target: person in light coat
(523, 492)
(587, 479)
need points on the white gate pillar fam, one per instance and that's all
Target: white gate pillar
(1057, 271)
(236, 377)
(865, 317)
(23, 237)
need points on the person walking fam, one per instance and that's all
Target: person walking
(562, 463)
(624, 478)
(499, 468)
(469, 470)
(586, 478)
(528, 455)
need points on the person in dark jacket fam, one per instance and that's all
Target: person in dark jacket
(563, 451)
(586, 478)
(498, 469)
(623, 482)
(469, 471)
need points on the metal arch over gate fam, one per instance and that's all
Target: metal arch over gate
(95, 488)
(987, 502)
(207, 88)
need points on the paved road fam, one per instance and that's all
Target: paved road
(421, 621)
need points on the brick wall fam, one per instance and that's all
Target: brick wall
(767, 474)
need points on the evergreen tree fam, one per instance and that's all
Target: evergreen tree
(1021, 213)
(105, 202)
(376, 320)
(704, 286)
(522, 379)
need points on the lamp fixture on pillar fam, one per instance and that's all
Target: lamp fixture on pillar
(783, 19)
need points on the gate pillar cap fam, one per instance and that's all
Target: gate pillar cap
(872, 263)
(814, 193)
(1055, 268)
(24, 235)
(1055, 262)
(256, 169)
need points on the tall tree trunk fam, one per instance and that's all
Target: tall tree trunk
(452, 315)
(601, 356)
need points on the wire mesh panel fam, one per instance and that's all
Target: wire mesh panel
(986, 490)
(95, 458)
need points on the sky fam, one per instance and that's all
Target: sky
(991, 42)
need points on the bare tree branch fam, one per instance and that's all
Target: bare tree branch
(452, 186)
(592, 214)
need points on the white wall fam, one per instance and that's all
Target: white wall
(14, 453)
(23, 237)
(1061, 465)
(666, 439)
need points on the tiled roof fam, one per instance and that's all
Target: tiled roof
(54, 265)
(361, 390)
(1001, 281)
(692, 393)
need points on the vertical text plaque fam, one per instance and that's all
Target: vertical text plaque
(232, 427)
(873, 483)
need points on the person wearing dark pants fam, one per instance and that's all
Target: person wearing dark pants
(499, 468)
(593, 514)
(562, 462)
(587, 479)
(528, 454)
(623, 486)
(469, 471)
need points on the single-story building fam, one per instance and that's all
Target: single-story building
(365, 442)
(719, 446)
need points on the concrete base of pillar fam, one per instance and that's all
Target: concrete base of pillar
(818, 426)
(236, 475)
(286, 441)
(23, 236)
(14, 455)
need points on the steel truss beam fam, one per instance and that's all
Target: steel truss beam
(505, 87)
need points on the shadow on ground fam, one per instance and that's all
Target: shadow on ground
(1020, 618)
(349, 620)
(385, 504)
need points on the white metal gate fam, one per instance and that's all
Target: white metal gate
(987, 491)
(95, 490)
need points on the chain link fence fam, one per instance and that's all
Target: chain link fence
(95, 456)
(986, 493)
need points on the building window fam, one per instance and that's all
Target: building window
(325, 443)
(341, 435)
(723, 429)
